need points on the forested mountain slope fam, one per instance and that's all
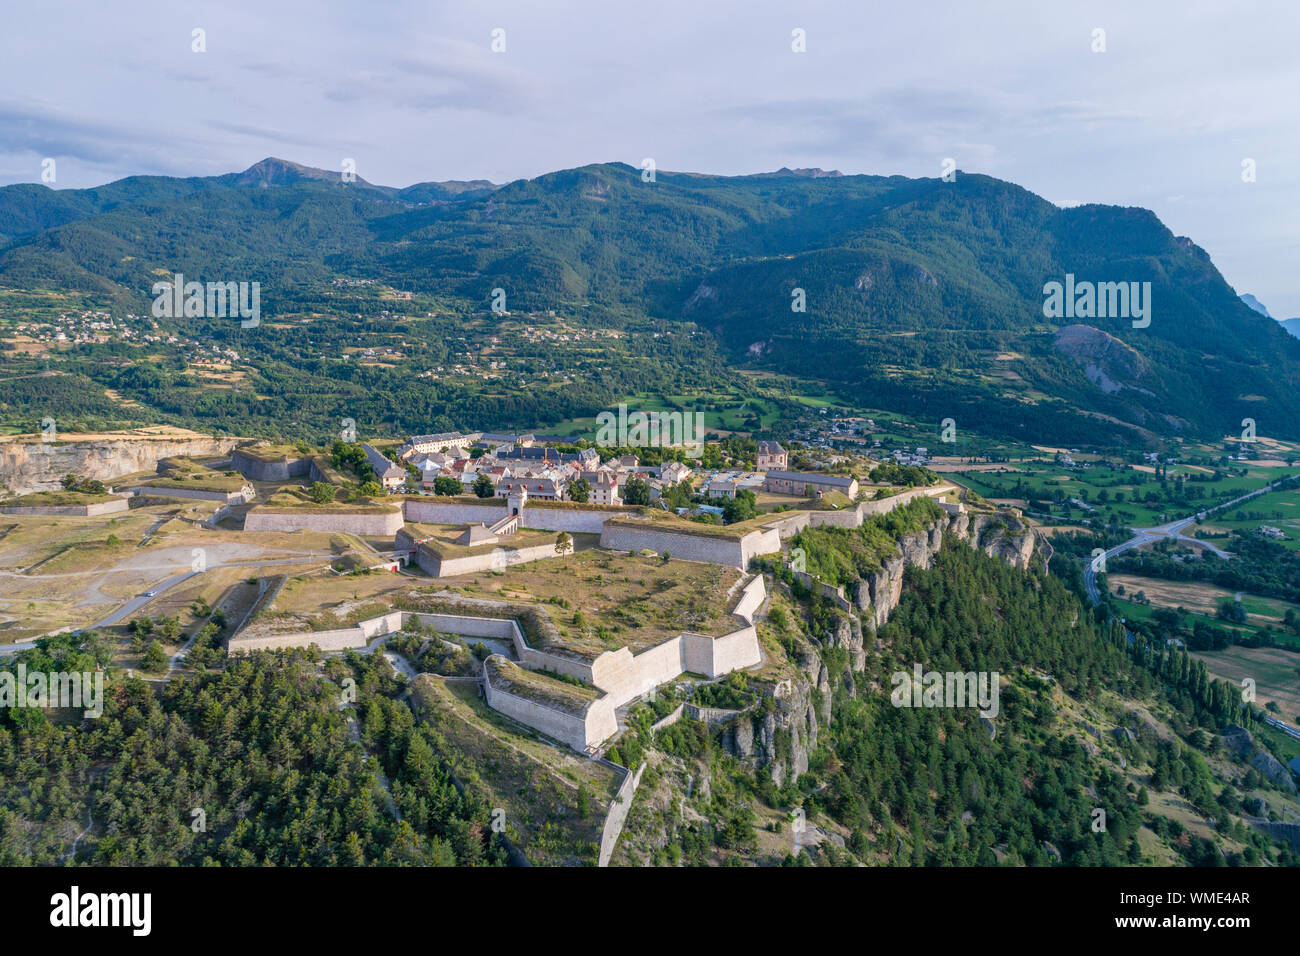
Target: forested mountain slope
(923, 296)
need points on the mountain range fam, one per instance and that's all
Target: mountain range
(1291, 325)
(922, 296)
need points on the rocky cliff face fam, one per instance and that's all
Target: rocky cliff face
(782, 740)
(1002, 534)
(28, 466)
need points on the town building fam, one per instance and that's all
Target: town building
(809, 484)
(772, 457)
(390, 475)
(544, 486)
(605, 489)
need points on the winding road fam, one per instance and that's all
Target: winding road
(1172, 530)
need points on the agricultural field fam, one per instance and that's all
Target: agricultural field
(1276, 673)
(1278, 509)
(1199, 596)
(1110, 492)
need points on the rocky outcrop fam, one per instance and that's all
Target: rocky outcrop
(1001, 534)
(1239, 742)
(1273, 770)
(1109, 363)
(878, 594)
(780, 738)
(29, 466)
(1005, 535)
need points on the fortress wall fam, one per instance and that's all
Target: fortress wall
(382, 524)
(713, 716)
(540, 517)
(567, 728)
(314, 473)
(697, 654)
(792, 524)
(567, 519)
(766, 541)
(217, 516)
(736, 650)
(337, 640)
(449, 567)
(617, 816)
(80, 511)
(885, 505)
(537, 660)
(669, 720)
(690, 547)
(432, 512)
(229, 497)
(601, 722)
(625, 677)
(340, 639)
(258, 470)
(834, 593)
(716, 656)
(389, 623)
(752, 596)
(847, 518)
(505, 629)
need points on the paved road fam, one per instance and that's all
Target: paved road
(1173, 530)
(136, 603)
(133, 605)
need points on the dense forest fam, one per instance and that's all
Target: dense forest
(1027, 794)
(253, 764)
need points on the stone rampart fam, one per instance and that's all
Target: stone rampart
(75, 511)
(379, 524)
(260, 469)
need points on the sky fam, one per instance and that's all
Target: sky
(1184, 93)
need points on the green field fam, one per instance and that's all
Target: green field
(1280, 509)
(1144, 500)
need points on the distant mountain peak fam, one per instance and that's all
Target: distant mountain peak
(1255, 304)
(810, 173)
(273, 171)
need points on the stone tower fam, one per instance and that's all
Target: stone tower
(517, 499)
